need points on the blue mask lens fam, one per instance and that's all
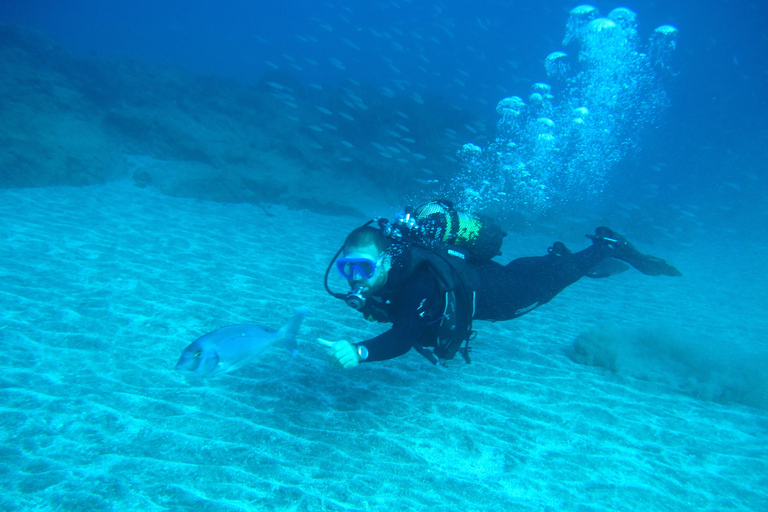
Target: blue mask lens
(363, 266)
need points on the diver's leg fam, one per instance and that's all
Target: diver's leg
(526, 283)
(560, 267)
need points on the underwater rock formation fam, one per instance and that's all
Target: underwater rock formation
(78, 121)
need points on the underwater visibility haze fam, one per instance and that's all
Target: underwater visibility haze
(171, 168)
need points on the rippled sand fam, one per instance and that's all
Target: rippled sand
(101, 288)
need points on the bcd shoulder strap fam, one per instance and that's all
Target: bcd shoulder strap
(455, 327)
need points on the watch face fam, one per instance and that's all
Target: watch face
(362, 352)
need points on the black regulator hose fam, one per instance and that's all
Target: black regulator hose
(328, 271)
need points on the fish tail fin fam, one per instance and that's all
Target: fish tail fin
(290, 329)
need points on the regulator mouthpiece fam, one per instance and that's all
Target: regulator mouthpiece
(356, 297)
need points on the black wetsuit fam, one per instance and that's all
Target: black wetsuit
(414, 304)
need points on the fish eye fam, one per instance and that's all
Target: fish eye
(198, 353)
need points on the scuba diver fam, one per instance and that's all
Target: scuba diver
(430, 273)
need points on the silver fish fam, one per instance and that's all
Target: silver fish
(229, 348)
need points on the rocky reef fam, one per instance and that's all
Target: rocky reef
(340, 149)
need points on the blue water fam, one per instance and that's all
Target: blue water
(170, 169)
(473, 54)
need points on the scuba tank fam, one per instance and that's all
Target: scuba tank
(438, 222)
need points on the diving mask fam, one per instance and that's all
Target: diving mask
(355, 268)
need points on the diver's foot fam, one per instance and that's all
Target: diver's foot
(623, 250)
(559, 249)
(605, 268)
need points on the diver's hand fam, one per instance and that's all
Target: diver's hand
(342, 353)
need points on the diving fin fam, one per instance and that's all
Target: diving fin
(623, 250)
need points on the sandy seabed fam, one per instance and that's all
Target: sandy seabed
(101, 288)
